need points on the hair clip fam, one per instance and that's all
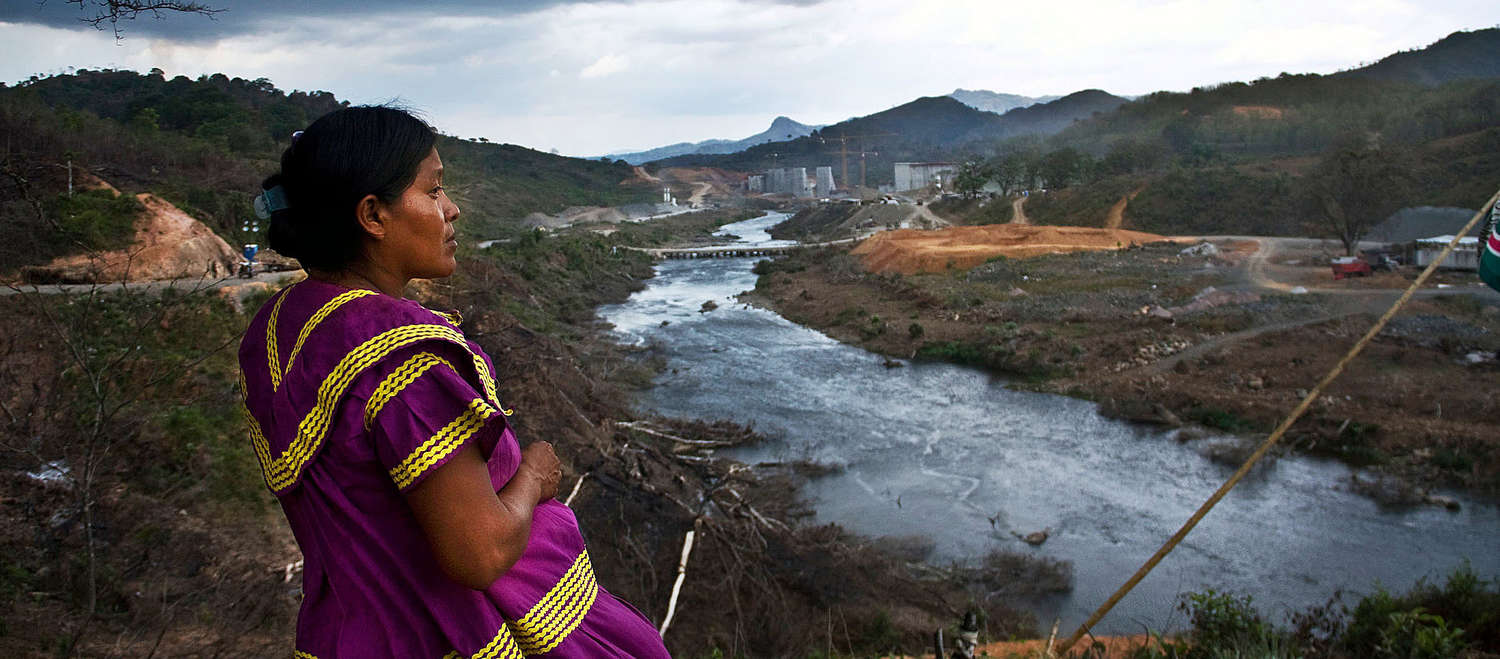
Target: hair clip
(270, 201)
(296, 134)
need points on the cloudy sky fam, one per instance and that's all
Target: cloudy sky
(587, 78)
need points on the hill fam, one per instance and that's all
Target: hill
(1235, 157)
(205, 144)
(928, 128)
(781, 130)
(996, 102)
(1458, 56)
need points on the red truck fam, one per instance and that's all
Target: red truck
(1350, 266)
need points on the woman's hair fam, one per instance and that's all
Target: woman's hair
(342, 157)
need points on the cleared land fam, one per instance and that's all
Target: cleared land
(911, 251)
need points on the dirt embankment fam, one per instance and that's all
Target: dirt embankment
(960, 248)
(168, 244)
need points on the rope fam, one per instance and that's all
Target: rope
(1275, 434)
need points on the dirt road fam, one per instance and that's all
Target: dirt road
(640, 172)
(699, 189)
(1018, 212)
(156, 286)
(1116, 215)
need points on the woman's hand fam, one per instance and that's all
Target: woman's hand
(539, 462)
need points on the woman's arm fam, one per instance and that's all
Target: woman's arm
(476, 533)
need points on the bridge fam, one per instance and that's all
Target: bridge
(733, 251)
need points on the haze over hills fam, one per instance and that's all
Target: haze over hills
(997, 102)
(782, 129)
(928, 128)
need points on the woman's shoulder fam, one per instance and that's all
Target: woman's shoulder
(311, 304)
(312, 328)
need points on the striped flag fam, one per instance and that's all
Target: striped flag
(1489, 250)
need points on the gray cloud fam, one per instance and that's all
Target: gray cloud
(594, 77)
(241, 16)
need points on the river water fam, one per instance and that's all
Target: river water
(950, 454)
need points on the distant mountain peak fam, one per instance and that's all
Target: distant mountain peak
(997, 102)
(782, 128)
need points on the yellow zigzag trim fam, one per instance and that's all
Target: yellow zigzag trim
(394, 383)
(271, 356)
(441, 444)
(502, 647)
(322, 313)
(257, 438)
(302, 655)
(283, 470)
(561, 610)
(453, 317)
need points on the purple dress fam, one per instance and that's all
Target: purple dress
(354, 397)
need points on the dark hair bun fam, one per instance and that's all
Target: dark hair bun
(343, 157)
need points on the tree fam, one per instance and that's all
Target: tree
(1354, 186)
(971, 178)
(1063, 167)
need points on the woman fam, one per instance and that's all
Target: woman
(426, 530)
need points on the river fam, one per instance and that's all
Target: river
(950, 454)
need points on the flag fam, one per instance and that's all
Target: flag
(1489, 250)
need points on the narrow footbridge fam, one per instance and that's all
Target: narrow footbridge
(733, 251)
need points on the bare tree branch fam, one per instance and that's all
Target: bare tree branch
(114, 11)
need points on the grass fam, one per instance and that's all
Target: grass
(1427, 622)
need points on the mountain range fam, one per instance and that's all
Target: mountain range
(784, 128)
(928, 128)
(781, 130)
(996, 102)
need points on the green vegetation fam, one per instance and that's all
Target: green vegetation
(1428, 622)
(1214, 417)
(205, 144)
(92, 220)
(128, 403)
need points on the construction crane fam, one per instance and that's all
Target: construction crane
(844, 152)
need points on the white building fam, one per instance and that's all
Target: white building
(1464, 257)
(918, 175)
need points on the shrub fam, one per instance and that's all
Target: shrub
(1416, 634)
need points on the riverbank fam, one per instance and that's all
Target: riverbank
(1166, 335)
(148, 530)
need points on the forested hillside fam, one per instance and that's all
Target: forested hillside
(205, 145)
(1253, 157)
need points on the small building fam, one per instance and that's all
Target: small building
(918, 175)
(756, 183)
(1464, 257)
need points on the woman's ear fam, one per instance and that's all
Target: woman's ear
(367, 213)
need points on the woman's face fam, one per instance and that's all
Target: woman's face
(420, 242)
